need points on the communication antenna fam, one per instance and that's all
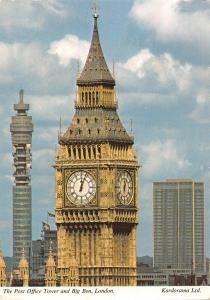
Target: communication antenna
(21, 94)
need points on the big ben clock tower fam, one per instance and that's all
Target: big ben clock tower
(96, 185)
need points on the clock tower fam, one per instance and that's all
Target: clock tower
(96, 184)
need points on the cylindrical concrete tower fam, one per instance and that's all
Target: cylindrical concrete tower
(21, 129)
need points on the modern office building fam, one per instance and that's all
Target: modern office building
(40, 251)
(38, 266)
(21, 129)
(178, 220)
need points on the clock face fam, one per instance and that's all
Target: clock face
(125, 188)
(81, 188)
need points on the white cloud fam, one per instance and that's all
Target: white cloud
(36, 66)
(171, 22)
(159, 157)
(68, 48)
(136, 63)
(165, 68)
(146, 197)
(45, 179)
(37, 154)
(203, 97)
(145, 98)
(201, 112)
(23, 57)
(28, 14)
(10, 178)
(5, 224)
(54, 6)
(30, 65)
(1, 111)
(50, 108)
(43, 159)
(43, 184)
(7, 159)
(48, 134)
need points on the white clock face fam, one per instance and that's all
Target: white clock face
(81, 188)
(125, 188)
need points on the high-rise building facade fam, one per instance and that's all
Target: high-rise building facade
(21, 129)
(40, 251)
(96, 184)
(178, 225)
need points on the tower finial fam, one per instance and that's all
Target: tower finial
(21, 94)
(95, 9)
(51, 248)
(23, 252)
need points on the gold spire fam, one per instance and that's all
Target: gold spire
(23, 261)
(95, 70)
(50, 275)
(24, 270)
(50, 261)
(96, 94)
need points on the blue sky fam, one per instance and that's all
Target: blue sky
(161, 53)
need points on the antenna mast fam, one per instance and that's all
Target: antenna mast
(21, 94)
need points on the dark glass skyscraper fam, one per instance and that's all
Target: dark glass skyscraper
(21, 129)
(178, 216)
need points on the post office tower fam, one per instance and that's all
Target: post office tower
(21, 130)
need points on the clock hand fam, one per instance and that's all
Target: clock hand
(82, 183)
(81, 186)
(124, 186)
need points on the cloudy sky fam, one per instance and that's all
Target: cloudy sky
(161, 53)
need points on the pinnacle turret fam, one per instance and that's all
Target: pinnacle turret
(23, 261)
(50, 275)
(3, 278)
(50, 260)
(24, 269)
